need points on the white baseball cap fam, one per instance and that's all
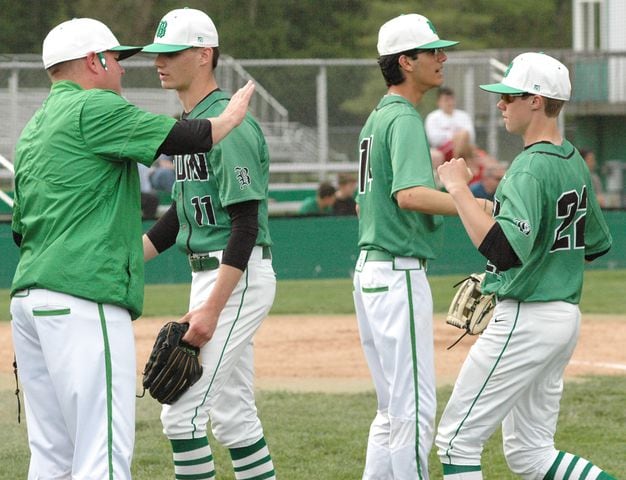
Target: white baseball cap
(535, 73)
(78, 37)
(181, 29)
(407, 32)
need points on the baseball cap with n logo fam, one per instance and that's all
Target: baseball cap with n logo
(534, 73)
(408, 32)
(181, 29)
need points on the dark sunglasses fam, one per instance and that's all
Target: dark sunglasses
(510, 97)
(432, 51)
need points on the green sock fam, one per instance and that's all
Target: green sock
(572, 467)
(193, 459)
(253, 462)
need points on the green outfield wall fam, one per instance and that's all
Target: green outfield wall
(325, 247)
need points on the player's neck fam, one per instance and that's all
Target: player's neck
(194, 93)
(407, 91)
(543, 129)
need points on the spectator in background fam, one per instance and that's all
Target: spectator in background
(162, 174)
(590, 159)
(344, 196)
(149, 198)
(486, 187)
(450, 131)
(322, 203)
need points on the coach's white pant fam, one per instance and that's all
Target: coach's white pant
(76, 362)
(513, 375)
(224, 395)
(394, 312)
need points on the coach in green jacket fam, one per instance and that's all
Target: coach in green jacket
(79, 280)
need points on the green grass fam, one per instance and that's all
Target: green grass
(603, 292)
(323, 436)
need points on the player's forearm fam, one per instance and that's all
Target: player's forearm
(227, 279)
(474, 212)
(149, 250)
(426, 200)
(203, 319)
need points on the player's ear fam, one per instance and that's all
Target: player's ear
(206, 55)
(537, 102)
(93, 63)
(405, 62)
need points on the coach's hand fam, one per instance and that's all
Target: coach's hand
(234, 113)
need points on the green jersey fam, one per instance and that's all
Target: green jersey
(394, 155)
(234, 171)
(77, 198)
(548, 211)
(310, 206)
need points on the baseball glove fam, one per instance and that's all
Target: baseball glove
(173, 365)
(470, 310)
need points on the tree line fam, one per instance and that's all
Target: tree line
(301, 28)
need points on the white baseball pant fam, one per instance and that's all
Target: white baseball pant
(513, 375)
(76, 362)
(394, 310)
(224, 395)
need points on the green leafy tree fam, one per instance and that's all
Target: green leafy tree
(302, 28)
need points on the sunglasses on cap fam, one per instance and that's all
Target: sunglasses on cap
(510, 97)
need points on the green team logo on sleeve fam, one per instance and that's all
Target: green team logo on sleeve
(523, 226)
(160, 33)
(243, 176)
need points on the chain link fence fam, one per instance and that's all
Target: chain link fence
(312, 110)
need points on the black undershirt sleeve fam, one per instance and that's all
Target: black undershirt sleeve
(244, 218)
(497, 249)
(17, 238)
(163, 233)
(592, 257)
(188, 136)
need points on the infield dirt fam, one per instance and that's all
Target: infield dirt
(323, 353)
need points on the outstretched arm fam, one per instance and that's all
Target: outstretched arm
(200, 134)
(234, 113)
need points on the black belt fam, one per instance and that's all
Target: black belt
(201, 262)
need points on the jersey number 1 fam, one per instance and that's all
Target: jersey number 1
(365, 172)
(203, 209)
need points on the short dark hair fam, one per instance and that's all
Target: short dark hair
(216, 56)
(390, 68)
(553, 106)
(445, 91)
(325, 190)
